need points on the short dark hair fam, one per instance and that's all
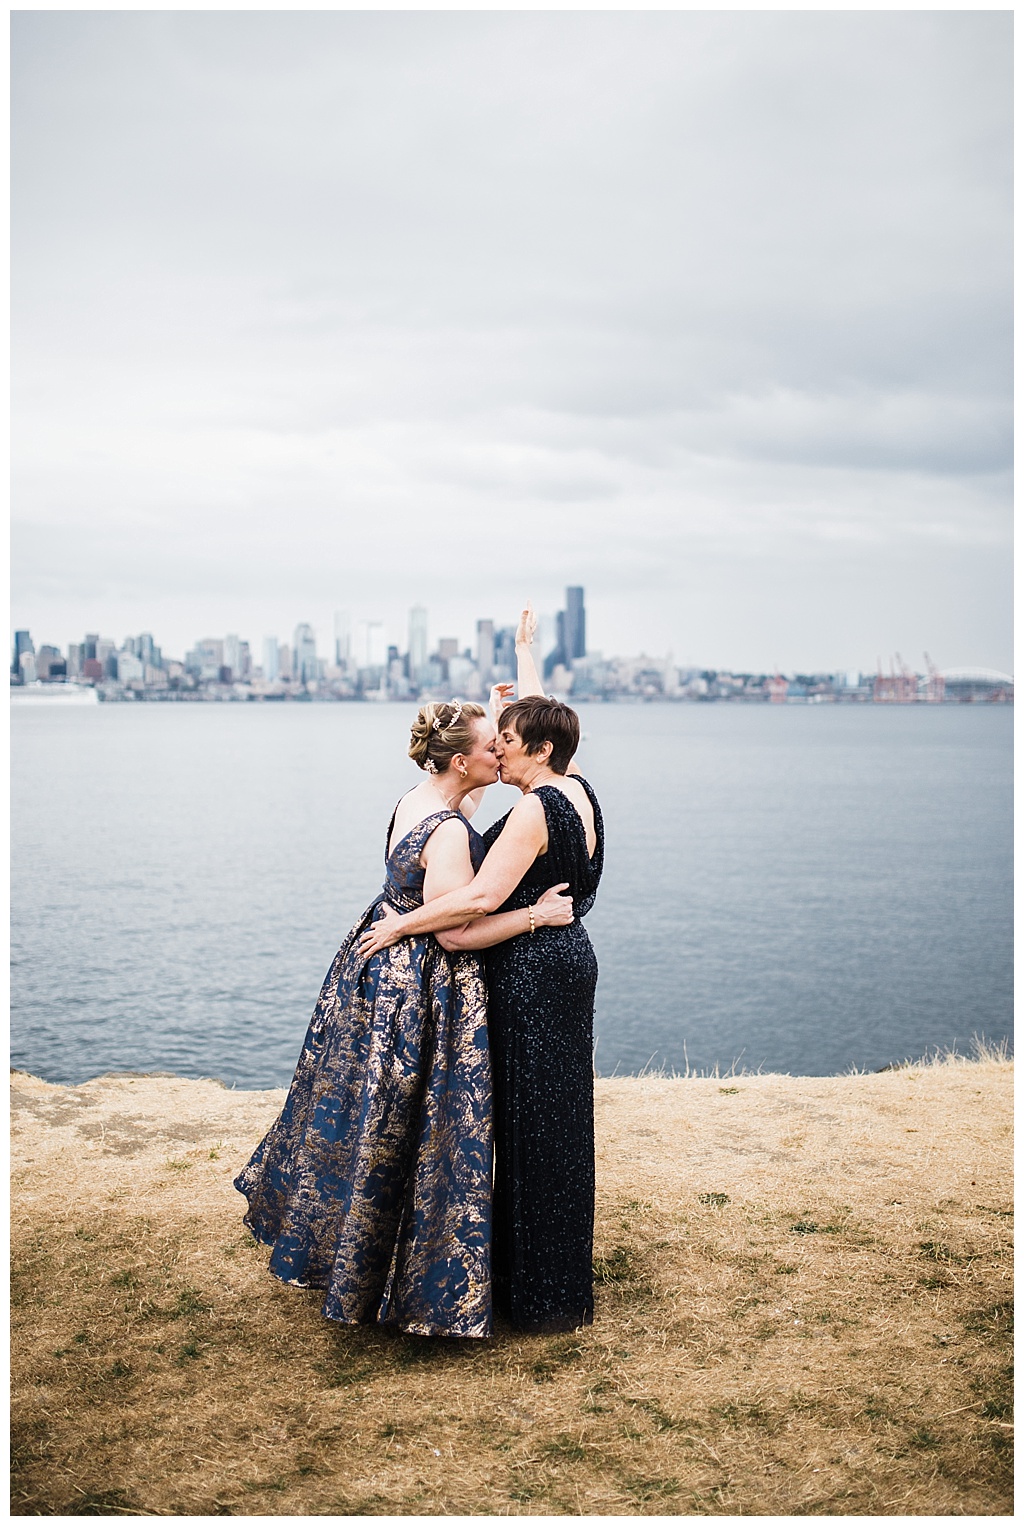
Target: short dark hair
(537, 720)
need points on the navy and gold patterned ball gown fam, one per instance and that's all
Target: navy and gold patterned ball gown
(375, 1181)
(541, 1021)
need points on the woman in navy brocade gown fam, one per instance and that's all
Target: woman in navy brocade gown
(375, 1182)
(541, 1008)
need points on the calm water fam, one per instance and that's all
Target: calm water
(798, 888)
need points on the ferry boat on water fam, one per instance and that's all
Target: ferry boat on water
(39, 693)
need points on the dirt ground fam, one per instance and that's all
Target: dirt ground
(803, 1309)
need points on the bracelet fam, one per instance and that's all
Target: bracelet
(533, 927)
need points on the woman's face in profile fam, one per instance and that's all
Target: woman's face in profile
(482, 762)
(511, 754)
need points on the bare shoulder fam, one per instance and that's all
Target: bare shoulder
(528, 809)
(449, 843)
(413, 808)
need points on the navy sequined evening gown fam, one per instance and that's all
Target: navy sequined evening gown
(541, 1022)
(375, 1181)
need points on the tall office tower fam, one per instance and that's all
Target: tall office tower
(342, 637)
(556, 657)
(244, 660)
(504, 654)
(284, 661)
(106, 654)
(76, 657)
(304, 668)
(485, 649)
(271, 668)
(91, 642)
(417, 641)
(574, 632)
(146, 649)
(22, 643)
(49, 663)
(233, 655)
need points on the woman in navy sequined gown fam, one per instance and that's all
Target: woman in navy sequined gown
(541, 1007)
(375, 1181)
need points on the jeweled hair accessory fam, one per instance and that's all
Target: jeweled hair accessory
(430, 766)
(455, 707)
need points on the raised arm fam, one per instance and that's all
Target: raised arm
(527, 678)
(522, 838)
(526, 669)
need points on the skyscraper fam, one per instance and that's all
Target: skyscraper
(417, 641)
(271, 667)
(485, 649)
(571, 639)
(304, 666)
(575, 629)
(22, 643)
(342, 637)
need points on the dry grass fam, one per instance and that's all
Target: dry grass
(803, 1308)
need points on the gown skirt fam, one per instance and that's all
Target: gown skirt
(374, 1183)
(541, 1018)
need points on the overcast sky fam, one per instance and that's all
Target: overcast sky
(709, 312)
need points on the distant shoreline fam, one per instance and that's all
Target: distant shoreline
(59, 692)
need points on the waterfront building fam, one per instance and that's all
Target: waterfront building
(129, 668)
(233, 655)
(270, 659)
(463, 677)
(304, 663)
(204, 661)
(417, 642)
(27, 667)
(570, 634)
(575, 625)
(22, 644)
(504, 669)
(970, 685)
(342, 638)
(485, 650)
(50, 663)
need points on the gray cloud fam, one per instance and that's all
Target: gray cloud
(320, 308)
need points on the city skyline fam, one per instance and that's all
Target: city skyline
(364, 665)
(708, 311)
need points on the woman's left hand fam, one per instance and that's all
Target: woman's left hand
(381, 934)
(501, 695)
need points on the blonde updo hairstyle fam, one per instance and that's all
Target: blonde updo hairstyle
(439, 732)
